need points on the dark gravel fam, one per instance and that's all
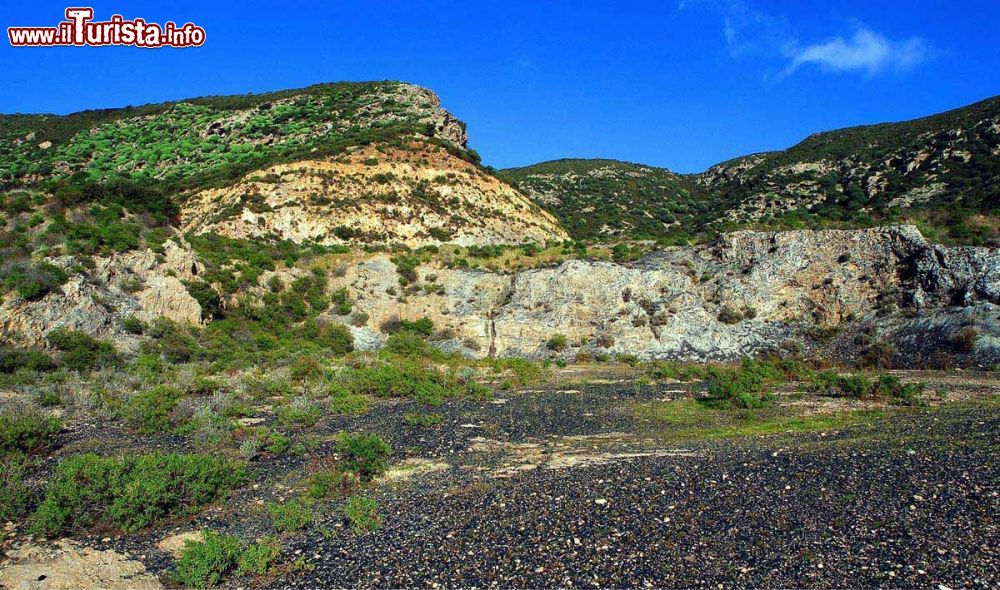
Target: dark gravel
(914, 506)
(911, 501)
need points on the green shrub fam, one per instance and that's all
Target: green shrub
(203, 564)
(14, 359)
(856, 386)
(519, 372)
(150, 410)
(423, 418)
(134, 325)
(423, 326)
(965, 339)
(742, 387)
(678, 371)
(23, 430)
(299, 411)
(732, 315)
(348, 404)
(557, 343)
(132, 492)
(329, 483)
(35, 281)
(80, 351)
(408, 344)
(289, 516)
(16, 497)
(364, 454)
(904, 394)
(336, 337)
(257, 559)
(207, 297)
(342, 301)
(362, 514)
(406, 266)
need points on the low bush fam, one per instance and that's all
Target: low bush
(132, 492)
(341, 301)
(204, 563)
(80, 351)
(336, 337)
(745, 386)
(362, 514)
(259, 558)
(289, 516)
(856, 386)
(16, 497)
(134, 325)
(348, 404)
(965, 339)
(15, 359)
(731, 315)
(150, 410)
(207, 297)
(23, 430)
(883, 386)
(408, 344)
(364, 454)
(33, 282)
(299, 411)
(403, 378)
(904, 394)
(330, 483)
(422, 418)
(557, 343)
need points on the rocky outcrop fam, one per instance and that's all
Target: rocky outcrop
(837, 293)
(749, 292)
(416, 196)
(139, 283)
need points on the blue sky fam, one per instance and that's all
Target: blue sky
(682, 84)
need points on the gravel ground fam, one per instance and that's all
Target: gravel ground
(915, 506)
(908, 501)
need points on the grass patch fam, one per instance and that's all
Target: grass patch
(692, 419)
(362, 514)
(424, 419)
(289, 516)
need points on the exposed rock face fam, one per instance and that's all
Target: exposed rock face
(423, 195)
(137, 283)
(838, 293)
(883, 283)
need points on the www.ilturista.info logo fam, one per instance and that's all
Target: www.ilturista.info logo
(79, 29)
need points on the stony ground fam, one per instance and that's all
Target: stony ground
(569, 485)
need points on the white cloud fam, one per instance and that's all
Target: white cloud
(748, 30)
(866, 51)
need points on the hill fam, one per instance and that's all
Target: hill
(607, 198)
(213, 140)
(941, 172)
(330, 164)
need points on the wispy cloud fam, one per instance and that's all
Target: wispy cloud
(866, 51)
(748, 30)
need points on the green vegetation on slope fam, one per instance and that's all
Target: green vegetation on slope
(940, 172)
(607, 198)
(209, 140)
